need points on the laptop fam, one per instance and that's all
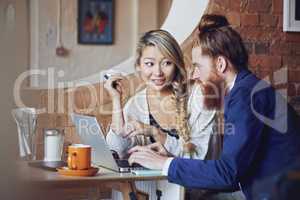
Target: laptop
(90, 133)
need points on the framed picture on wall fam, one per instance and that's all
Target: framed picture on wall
(95, 21)
(291, 15)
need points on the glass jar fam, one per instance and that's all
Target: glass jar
(53, 144)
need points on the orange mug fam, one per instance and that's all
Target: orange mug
(79, 157)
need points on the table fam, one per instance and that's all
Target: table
(47, 180)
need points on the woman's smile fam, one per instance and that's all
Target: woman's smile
(159, 81)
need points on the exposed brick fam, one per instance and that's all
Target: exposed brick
(216, 10)
(253, 61)
(261, 48)
(224, 3)
(258, 33)
(264, 65)
(277, 7)
(265, 62)
(268, 20)
(248, 33)
(249, 47)
(238, 29)
(277, 33)
(235, 5)
(292, 91)
(259, 6)
(273, 62)
(280, 22)
(218, 7)
(243, 5)
(270, 33)
(249, 19)
(294, 75)
(234, 18)
(264, 73)
(291, 61)
(295, 48)
(297, 86)
(292, 37)
(278, 47)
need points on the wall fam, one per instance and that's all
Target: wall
(163, 7)
(14, 57)
(147, 16)
(131, 17)
(83, 59)
(271, 50)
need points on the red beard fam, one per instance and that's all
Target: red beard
(213, 92)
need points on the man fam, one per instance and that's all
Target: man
(261, 133)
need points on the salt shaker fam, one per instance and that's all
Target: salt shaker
(53, 144)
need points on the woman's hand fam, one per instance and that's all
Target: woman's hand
(159, 148)
(146, 157)
(114, 86)
(134, 128)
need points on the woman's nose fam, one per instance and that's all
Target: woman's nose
(157, 70)
(196, 74)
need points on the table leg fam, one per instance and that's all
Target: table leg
(129, 190)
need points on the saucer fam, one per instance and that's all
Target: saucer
(70, 172)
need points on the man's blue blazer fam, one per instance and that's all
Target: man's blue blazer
(261, 139)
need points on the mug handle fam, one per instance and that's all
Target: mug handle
(72, 160)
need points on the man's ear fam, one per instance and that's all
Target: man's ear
(221, 64)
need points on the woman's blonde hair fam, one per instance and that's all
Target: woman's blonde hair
(169, 48)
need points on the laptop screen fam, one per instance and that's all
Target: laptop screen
(90, 133)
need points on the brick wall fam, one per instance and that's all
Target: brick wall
(271, 50)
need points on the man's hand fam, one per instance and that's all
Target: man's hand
(146, 157)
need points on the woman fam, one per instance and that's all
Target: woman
(166, 111)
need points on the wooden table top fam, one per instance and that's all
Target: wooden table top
(44, 177)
